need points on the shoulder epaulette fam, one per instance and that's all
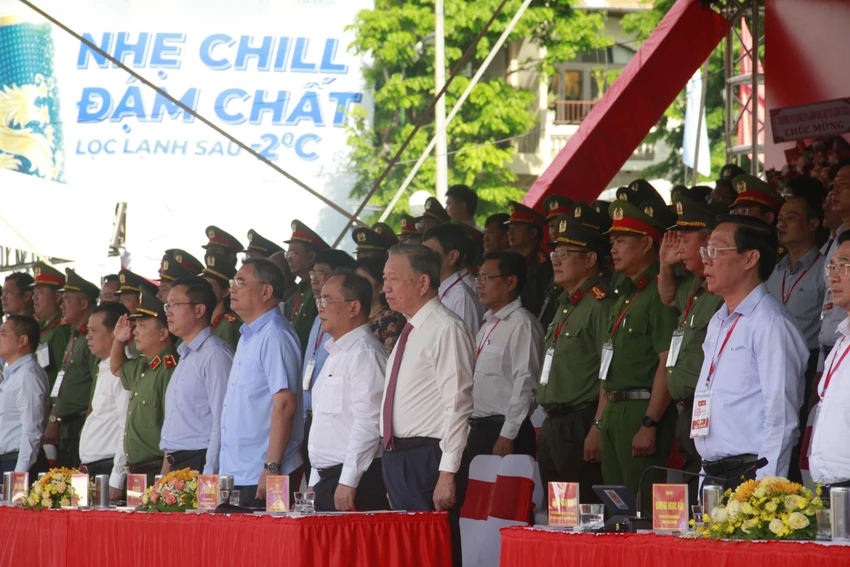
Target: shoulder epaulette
(170, 361)
(156, 362)
(231, 318)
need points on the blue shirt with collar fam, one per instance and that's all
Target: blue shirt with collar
(801, 289)
(267, 360)
(757, 387)
(194, 398)
(23, 407)
(315, 350)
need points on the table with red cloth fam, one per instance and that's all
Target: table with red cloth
(98, 538)
(527, 547)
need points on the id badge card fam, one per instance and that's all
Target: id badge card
(54, 393)
(547, 366)
(701, 416)
(42, 355)
(675, 347)
(307, 379)
(605, 360)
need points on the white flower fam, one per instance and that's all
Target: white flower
(733, 508)
(747, 526)
(798, 521)
(776, 526)
(792, 502)
(719, 515)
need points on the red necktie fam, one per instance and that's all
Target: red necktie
(388, 401)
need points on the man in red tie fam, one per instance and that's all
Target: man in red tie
(428, 391)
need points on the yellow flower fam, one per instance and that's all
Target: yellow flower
(809, 511)
(798, 521)
(818, 490)
(817, 502)
(747, 508)
(64, 502)
(36, 489)
(745, 490)
(730, 529)
(747, 526)
(770, 507)
(719, 515)
(706, 518)
(46, 501)
(794, 502)
(760, 492)
(776, 526)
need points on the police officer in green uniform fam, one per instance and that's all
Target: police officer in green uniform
(146, 378)
(681, 284)
(638, 421)
(554, 206)
(569, 444)
(260, 247)
(756, 199)
(55, 332)
(524, 233)
(639, 191)
(222, 243)
(408, 228)
(433, 215)
(386, 231)
(72, 389)
(169, 271)
(303, 245)
(370, 243)
(225, 323)
(129, 292)
(187, 260)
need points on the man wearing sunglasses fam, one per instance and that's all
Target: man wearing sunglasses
(751, 383)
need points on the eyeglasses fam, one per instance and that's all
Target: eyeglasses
(711, 251)
(240, 283)
(839, 269)
(564, 252)
(479, 279)
(317, 274)
(171, 306)
(323, 302)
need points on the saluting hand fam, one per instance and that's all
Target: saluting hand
(123, 329)
(671, 251)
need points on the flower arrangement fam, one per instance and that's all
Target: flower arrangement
(175, 492)
(771, 508)
(53, 490)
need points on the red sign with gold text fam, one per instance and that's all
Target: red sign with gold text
(563, 504)
(136, 486)
(20, 482)
(208, 492)
(670, 507)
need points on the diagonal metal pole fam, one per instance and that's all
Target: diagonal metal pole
(192, 112)
(456, 71)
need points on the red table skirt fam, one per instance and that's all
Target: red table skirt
(523, 547)
(64, 538)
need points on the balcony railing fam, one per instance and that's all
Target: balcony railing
(572, 111)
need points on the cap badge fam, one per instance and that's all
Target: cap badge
(428, 204)
(361, 237)
(512, 208)
(577, 212)
(250, 236)
(648, 210)
(36, 271)
(553, 205)
(211, 233)
(741, 186)
(165, 264)
(563, 226)
(179, 258)
(618, 213)
(294, 226)
(122, 278)
(211, 261)
(403, 223)
(634, 186)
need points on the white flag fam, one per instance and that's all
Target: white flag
(689, 144)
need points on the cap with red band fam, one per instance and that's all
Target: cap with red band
(220, 238)
(47, 275)
(302, 233)
(521, 213)
(753, 190)
(556, 205)
(629, 219)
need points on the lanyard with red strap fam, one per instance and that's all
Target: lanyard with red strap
(318, 343)
(785, 298)
(457, 281)
(833, 368)
(716, 360)
(691, 298)
(481, 346)
(297, 304)
(623, 310)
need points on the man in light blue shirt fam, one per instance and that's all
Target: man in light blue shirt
(23, 397)
(191, 432)
(751, 381)
(326, 263)
(259, 433)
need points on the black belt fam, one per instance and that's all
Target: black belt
(148, 462)
(685, 404)
(476, 423)
(553, 411)
(402, 443)
(629, 395)
(330, 472)
(728, 464)
(5, 458)
(96, 463)
(175, 456)
(68, 419)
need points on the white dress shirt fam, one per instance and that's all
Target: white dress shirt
(509, 351)
(467, 278)
(758, 383)
(103, 432)
(829, 459)
(433, 396)
(23, 408)
(347, 406)
(459, 298)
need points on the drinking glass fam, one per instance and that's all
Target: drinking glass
(299, 502)
(592, 516)
(234, 497)
(824, 525)
(309, 502)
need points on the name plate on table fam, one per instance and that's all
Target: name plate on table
(136, 486)
(277, 494)
(20, 484)
(209, 496)
(670, 507)
(563, 504)
(80, 485)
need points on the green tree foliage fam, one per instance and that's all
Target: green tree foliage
(671, 126)
(395, 39)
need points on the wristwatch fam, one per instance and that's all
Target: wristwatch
(53, 418)
(273, 468)
(648, 422)
(598, 424)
